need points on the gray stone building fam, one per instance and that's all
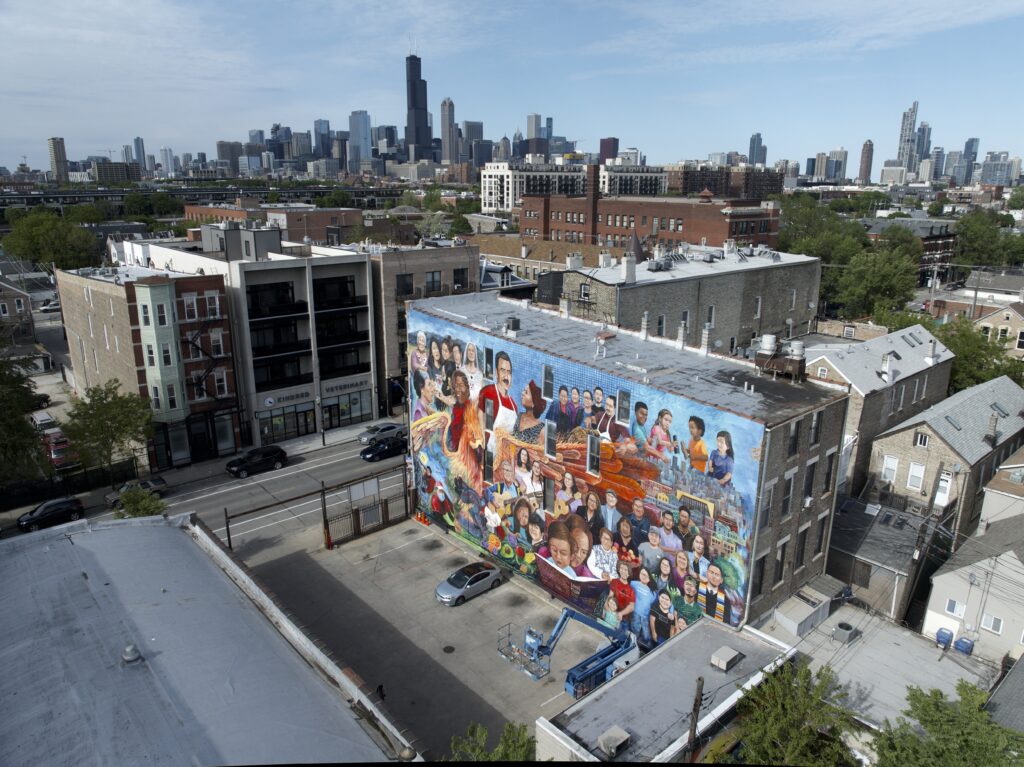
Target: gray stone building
(16, 326)
(403, 274)
(736, 295)
(890, 378)
(938, 461)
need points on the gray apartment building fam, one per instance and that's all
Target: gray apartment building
(304, 316)
(717, 298)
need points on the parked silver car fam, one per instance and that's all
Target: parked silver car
(379, 431)
(466, 582)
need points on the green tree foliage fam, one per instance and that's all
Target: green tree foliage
(860, 205)
(431, 225)
(20, 449)
(1016, 201)
(273, 197)
(935, 209)
(460, 225)
(106, 424)
(899, 214)
(978, 359)
(411, 199)
(83, 214)
(137, 204)
(13, 215)
(45, 237)
(432, 200)
(946, 732)
(878, 279)
(900, 319)
(139, 502)
(336, 199)
(796, 716)
(165, 205)
(516, 745)
(980, 240)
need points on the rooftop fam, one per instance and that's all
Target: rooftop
(881, 661)
(687, 262)
(1006, 706)
(922, 227)
(668, 675)
(1001, 536)
(217, 682)
(724, 383)
(878, 535)
(965, 420)
(999, 281)
(119, 275)
(861, 364)
(1009, 480)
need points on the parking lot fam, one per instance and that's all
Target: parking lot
(372, 603)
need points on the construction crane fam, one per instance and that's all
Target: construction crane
(534, 655)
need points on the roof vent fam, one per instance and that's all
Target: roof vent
(724, 658)
(613, 741)
(844, 632)
(131, 654)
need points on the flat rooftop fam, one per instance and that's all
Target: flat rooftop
(689, 262)
(217, 683)
(882, 661)
(713, 380)
(653, 699)
(878, 535)
(123, 274)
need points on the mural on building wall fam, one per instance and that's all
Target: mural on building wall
(629, 503)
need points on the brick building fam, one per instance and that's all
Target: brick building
(166, 336)
(716, 298)
(298, 224)
(745, 182)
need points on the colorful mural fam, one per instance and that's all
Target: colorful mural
(629, 503)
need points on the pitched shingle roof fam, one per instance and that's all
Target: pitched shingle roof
(964, 420)
(861, 364)
(1002, 536)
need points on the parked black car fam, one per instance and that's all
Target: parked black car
(55, 512)
(260, 459)
(384, 448)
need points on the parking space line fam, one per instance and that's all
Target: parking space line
(553, 697)
(396, 548)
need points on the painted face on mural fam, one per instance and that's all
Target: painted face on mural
(457, 355)
(583, 546)
(421, 342)
(641, 415)
(598, 397)
(588, 400)
(638, 508)
(561, 551)
(714, 576)
(527, 399)
(609, 407)
(504, 381)
(698, 545)
(507, 473)
(575, 397)
(461, 389)
(429, 390)
(690, 587)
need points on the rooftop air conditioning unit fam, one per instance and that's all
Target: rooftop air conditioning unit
(844, 632)
(613, 741)
(724, 658)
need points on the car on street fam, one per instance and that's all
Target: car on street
(40, 400)
(257, 460)
(59, 451)
(49, 513)
(466, 582)
(54, 306)
(384, 448)
(379, 431)
(155, 485)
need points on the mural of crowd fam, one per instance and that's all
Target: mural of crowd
(630, 503)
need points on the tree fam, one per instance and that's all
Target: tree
(20, 449)
(899, 214)
(139, 502)
(106, 424)
(978, 239)
(936, 208)
(460, 225)
(430, 225)
(947, 732)
(515, 745)
(876, 280)
(432, 200)
(83, 214)
(796, 716)
(45, 237)
(1016, 201)
(410, 198)
(165, 205)
(978, 359)
(336, 199)
(273, 197)
(137, 204)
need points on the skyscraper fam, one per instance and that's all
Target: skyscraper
(549, 128)
(609, 149)
(969, 157)
(533, 129)
(837, 164)
(504, 153)
(867, 156)
(256, 136)
(58, 160)
(359, 138)
(952, 158)
(322, 138)
(126, 153)
(924, 141)
(938, 157)
(906, 151)
(449, 134)
(167, 160)
(227, 151)
(472, 130)
(758, 153)
(417, 130)
(140, 153)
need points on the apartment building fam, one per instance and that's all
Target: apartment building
(503, 184)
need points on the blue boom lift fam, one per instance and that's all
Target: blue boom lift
(534, 656)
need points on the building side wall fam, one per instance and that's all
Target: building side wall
(1006, 326)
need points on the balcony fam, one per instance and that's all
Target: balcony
(278, 310)
(342, 302)
(347, 370)
(282, 382)
(287, 347)
(355, 337)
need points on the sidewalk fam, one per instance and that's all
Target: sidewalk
(200, 472)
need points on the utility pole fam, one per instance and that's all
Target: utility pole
(694, 716)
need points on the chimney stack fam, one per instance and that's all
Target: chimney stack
(681, 339)
(930, 359)
(643, 325)
(885, 367)
(705, 339)
(628, 269)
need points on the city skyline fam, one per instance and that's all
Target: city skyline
(827, 75)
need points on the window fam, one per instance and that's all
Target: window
(780, 562)
(915, 477)
(792, 299)
(1003, 332)
(248, 250)
(924, 385)
(992, 623)
(809, 480)
(550, 437)
(903, 391)
(711, 316)
(815, 427)
(165, 353)
(920, 439)
(161, 315)
(433, 281)
(199, 385)
(661, 325)
(585, 291)
(794, 438)
(95, 361)
(787, 495)
(156, 397)
(889, 465)
(913, 396)
(403, 284)
(3, 310)
(954, 608)
(117, 345)
(212, 305)
(220, 380)
(189, 300)
(830, 466)
(765, 517)
(822, 372)
(685, 318)
(757, 585)
(822, 527)
(217, 343)
(172, 399)
(1020, 339)
(461, 279)
(150, 356)
(986, 330)
(801, 547)
(106, 337)
(757, 307)
(19, 306)
(593, 454)
(548, 389)
(624, 405)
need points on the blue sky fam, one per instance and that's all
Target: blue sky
(678, 79)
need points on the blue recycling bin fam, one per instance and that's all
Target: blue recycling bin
(944, 638)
